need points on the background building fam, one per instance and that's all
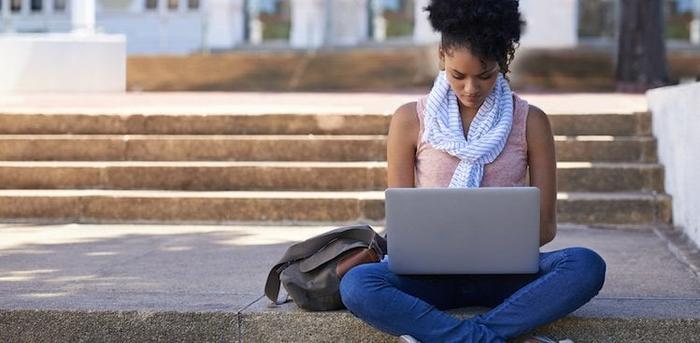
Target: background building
(186, 26)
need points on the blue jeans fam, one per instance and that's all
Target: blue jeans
(412, 305)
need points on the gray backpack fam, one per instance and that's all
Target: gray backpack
(311, 270)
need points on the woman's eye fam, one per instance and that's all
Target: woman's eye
(457, 77)
(485, 77)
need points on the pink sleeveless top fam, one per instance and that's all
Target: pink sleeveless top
(434, 168)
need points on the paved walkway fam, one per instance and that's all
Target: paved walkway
(223, 268)
(193, 283)
(282, 103)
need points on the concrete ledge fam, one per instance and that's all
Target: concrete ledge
(676, 120)
(288, 324)
(607, 320)
(126, 326)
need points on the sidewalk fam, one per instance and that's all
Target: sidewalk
(206, 282)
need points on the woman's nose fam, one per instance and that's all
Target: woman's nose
(471, 87)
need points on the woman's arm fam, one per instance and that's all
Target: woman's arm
(543, 170)
(401, 146)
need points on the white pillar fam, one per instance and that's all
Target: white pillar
(695, 24)
(182, 6)
(378, 21)
(6, 20)
(423, 32)
(225, 23)
(25, 10)
(48, 7)
(255, 25)
(308, 29)
(550, 23)
(349, 22)
(225, 27)
(83, 16)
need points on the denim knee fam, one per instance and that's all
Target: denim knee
(354, 289)
(590, 266)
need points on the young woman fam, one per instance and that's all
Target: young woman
(472, 131)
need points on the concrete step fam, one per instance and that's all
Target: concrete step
(286, 176)
(118, 206)
(264, 325)
(626, 124)
(133, 283)
(596, 322)
(609, 177)
(276, 148)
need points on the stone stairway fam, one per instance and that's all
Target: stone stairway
(282, 168)
(278, 168)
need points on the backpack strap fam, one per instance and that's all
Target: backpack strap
(304, 249)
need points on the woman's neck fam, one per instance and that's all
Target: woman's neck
(467, 113)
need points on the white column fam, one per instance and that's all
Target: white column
(550, 23)
(225, 23)
(182, 6)
(378, 21)
(6, 20)
(25, 10)
(137, 6)
(423, 32)
(348, 22)
(83, 16)
(309, 23)
(255, 25)
(695, 24)
(48, 7)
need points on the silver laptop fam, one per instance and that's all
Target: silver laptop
(489, 230)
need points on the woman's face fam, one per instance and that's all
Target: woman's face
(471, 80)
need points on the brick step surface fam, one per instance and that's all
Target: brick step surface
(631, 124)
(116, 206)
(286, 176)
(277, 148)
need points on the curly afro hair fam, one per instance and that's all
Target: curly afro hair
(490, 29)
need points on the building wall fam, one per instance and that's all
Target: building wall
(151, 33)
(220, 24)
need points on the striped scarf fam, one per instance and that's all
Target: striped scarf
(487, 135)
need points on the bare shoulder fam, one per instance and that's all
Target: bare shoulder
(405, 122)
(406, 115)
(537, 123)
